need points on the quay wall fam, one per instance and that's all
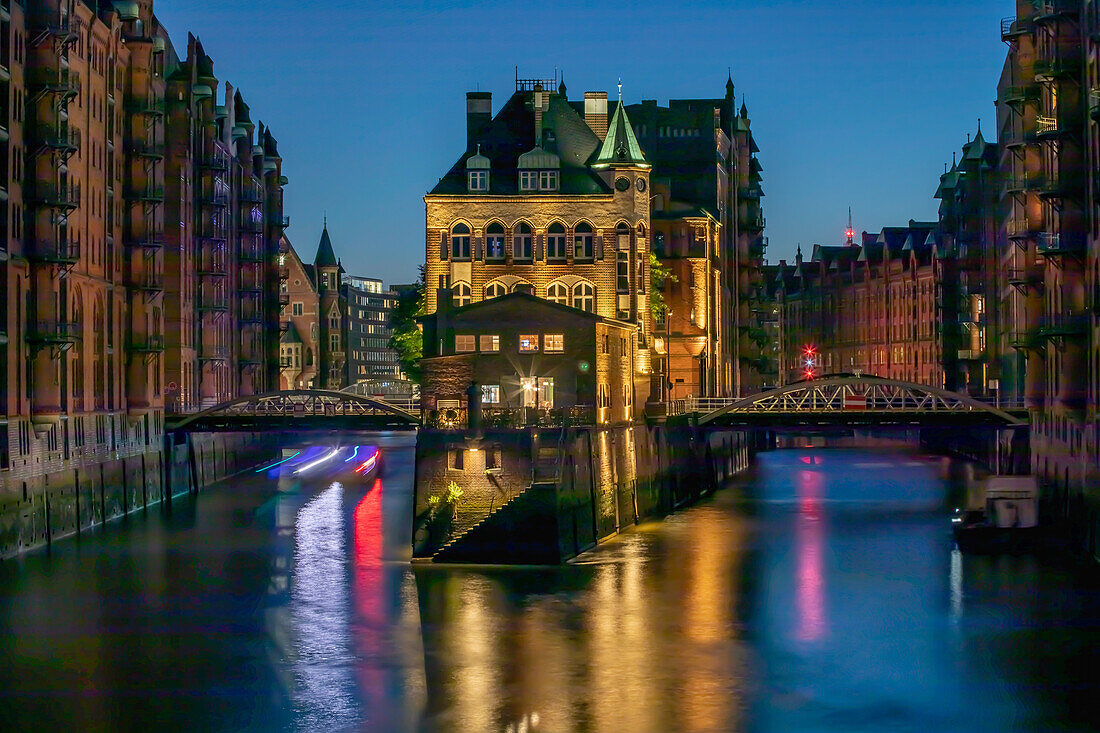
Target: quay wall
(578, 486)
(66, 494)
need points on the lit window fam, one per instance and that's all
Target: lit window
(494, 242)
(555, 342)
(555, 242)
(522, 239)
(528, 180)
(464, 342)
(548, 180)
(490, 342)
(584, 297)
(490, 394)
(529, 342)
(461, 295)
(557, 293)
(478, 180)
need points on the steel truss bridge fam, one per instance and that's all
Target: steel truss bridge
(299, 409)
(854, 401)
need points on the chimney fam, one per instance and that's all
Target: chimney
(595, 112)
(479, 113)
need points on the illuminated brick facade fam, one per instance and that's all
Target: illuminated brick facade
(540, 200)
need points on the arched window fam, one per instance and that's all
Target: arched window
(494, 290)
(555, 242)
(494, 242)
(309, 357)
(584, 297)
(460, 242)
(461, 295)
(557, 293)
(522, 242)
(582, 241)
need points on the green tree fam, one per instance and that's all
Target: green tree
(658, 275)
(405, 336)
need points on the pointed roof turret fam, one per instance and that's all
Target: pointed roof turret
(744, 109)
(561, 87)
(729, 85)
(620, 147)
(325, 256)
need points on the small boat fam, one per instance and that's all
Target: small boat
(1007, 523)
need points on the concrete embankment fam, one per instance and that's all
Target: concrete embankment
(542, 496)
(76, 493)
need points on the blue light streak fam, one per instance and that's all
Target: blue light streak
(273, 465)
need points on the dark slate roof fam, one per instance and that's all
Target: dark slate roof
(325, 256)
(290, 336)
(512, 133)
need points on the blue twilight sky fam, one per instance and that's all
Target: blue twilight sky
(852, 103)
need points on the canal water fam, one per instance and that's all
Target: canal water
(821, 594)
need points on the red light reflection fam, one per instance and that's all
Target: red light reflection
(809, 541)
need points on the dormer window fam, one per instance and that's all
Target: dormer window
(477, 172)
(538, 170)
(478, 180)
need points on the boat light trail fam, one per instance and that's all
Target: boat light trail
(318, 462)
(276, 463)
(353, 455)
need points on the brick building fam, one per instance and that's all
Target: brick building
(552, 196)
(867, 307)
(528, 352)
(708, 231)
(137, 258)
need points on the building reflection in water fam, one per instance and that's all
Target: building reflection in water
(641, 635)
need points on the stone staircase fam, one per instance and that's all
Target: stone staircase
(522, 530)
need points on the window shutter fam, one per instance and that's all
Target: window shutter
(599, 246)
(539, 239)
(479, 248)
(444, 246)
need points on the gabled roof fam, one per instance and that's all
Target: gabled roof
(325, 256)
(512, 133)
(520, 301)
(620, 147)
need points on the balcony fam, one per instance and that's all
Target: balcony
(251, 255)
(753, 222)
(1012, 28)
(279, 221)
(55, 252)
(49, 23)
(149, 105)
(1020, 95)
(217, 160)
(147, 149)
(1022, 279)
(213, 353)
(252, 193)
(284, 298)
(1061, 325)
(1018, 139)
(1051, 11)
(53, 333)
(1051, 187)
(148, 281)
(212, 303)
(251, 314)
(149, 194)
(750, 193)
(147, 241)
(248, 224)
(212, 266)
(60, 139)
(214, 198)
(64, 197)
(1057, 66)
(151, 344)
(63, 83)
(1020, 229)
(1047, 127)
(1025, 339)
(1058, 244)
